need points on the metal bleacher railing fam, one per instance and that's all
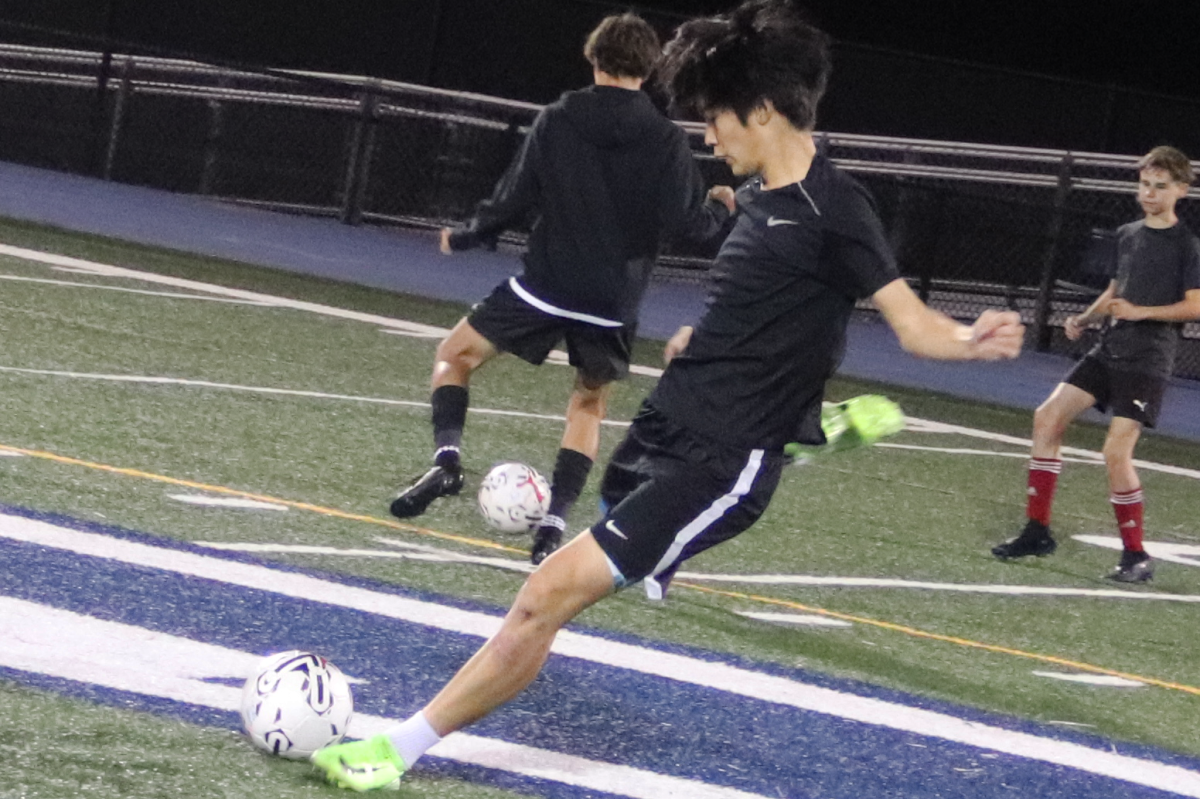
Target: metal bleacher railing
(973, 225)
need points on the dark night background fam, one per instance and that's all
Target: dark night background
(1119, 76)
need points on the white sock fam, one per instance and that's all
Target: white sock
(412, 738)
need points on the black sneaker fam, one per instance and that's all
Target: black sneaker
(1135, 567)
(440, 481)
(1034, 540)
(546, 539)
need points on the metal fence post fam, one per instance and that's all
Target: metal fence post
(118, 117)
(212, 140)
(358, 164)
(1041, 313)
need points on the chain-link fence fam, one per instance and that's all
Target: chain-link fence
(973, 226)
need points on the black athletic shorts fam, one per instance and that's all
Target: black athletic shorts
(599, 348)
(672, 493)
(1132, 395)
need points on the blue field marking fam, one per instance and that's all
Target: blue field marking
(577, 706)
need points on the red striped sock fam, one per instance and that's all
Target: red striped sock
(1129, 508)
(1043, 477)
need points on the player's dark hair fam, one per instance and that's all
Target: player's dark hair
(624, 46)
(1171, 161)
(762, 50)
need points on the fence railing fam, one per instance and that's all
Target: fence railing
(972, 225)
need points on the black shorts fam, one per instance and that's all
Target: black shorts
(599, 349)
(671, 494)
(1132, 395)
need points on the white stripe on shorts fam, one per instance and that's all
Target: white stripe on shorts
(546, 307)
(710, 516)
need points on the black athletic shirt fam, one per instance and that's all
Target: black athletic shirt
(608, 176)
(785, 282)
(1155, 266)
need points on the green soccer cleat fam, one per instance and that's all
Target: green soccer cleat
(856, 422)
(361, 765)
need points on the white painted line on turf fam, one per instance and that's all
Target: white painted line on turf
(799, 619)
(1186, 554)
(93, 268)
(717, 676)
(412, 552)
(439, 335)
(287, 392)
(1173, 552)
(226, 502)
(964, 588)
(1097, 460)
(927, 426)
(168, 294)
(1092, 679)
(8, 453)
(122, 657)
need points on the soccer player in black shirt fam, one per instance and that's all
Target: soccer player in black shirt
(701, 460)
(607, 176)
(1155, 289)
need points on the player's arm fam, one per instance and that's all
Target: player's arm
(685, 207)
(1185, 310)
(513, 198)
(931, 334)
(1074, 326)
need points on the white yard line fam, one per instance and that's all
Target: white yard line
(1162, 551)
(170, 294)
(177, 381)
(713, 675)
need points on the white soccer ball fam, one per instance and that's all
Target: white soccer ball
(295, 703)
(513, 497)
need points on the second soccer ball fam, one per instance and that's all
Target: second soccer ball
(513, 497)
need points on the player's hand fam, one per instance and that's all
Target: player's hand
(678, 343)
(445, 242)
(996, 335)
(1073, 328)
(724, 195)
(1124, 309)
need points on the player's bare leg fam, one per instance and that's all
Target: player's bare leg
(457, 358)
(580, 444)
(572, 579)
(1050, 423)
(1125, 493)
(1054, 416)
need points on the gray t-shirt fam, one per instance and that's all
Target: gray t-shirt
(1154, 266)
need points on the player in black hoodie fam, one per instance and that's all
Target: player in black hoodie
(606, 177)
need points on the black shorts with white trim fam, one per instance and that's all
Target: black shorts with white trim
(599, 348)
(672, 493)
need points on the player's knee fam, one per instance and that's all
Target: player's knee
(1048, 423)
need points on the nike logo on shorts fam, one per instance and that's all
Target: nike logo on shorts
(776, 221)
(1141, 404)
(612, 528)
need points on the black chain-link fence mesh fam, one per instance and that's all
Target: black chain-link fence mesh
(972, 226)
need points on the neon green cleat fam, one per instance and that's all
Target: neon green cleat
(857, 422)
(361, 765)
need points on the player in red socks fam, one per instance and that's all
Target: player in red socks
(1155, 288)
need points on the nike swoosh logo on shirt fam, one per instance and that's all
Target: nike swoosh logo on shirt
(776, 222)
(612, 528)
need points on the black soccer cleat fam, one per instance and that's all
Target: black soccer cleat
(440, 481)
(546, 539)
(1034, 540)
(1135, 567)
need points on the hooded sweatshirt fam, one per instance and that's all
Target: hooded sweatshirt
(606, 178)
